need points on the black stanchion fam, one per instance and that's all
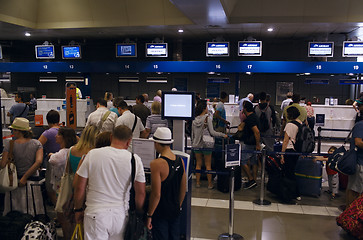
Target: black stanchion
(319, 139)
(261, 200)
(230, 235)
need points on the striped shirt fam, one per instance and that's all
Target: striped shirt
(154, 121)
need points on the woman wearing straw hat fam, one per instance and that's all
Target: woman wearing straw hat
(28, 157)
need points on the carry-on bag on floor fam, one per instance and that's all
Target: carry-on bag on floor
(41, 227)
(278, 184)
(12, 225)
(308, 176)
(351, 220)
(219, 159)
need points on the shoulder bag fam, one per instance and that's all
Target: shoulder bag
(344, 161)
(208, 140)
(66, 190)
(8, 175)
(135, 225)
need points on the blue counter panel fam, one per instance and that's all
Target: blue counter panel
(186, 66)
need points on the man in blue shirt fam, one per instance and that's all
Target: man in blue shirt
(220, 114)
(18, 110)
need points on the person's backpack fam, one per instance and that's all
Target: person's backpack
(305, 140)
(264, 122)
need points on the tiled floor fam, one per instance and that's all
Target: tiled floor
(312, 218)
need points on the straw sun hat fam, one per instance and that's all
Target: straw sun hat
(21, 124)
(163, 135)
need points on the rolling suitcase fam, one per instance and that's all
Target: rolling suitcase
(351, 220)
(278, 184)
(308, 176)
(219, 159)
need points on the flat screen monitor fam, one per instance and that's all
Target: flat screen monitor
(250, 48)
(126, 50)
(178, 105)
(321, 49)
(352, 49)
(44, 52)
(1, 53)
(71, 52)
(156, 50)
(217, 49)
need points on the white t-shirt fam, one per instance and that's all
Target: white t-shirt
(108, 170)
(128, 119)
(96, 116)
(291, 130)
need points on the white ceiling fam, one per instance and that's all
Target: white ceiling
(64, 19)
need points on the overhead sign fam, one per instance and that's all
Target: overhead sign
(217, 49)
(350, 81)
(44, 52)
(71, 52)
(126, 50)
(252, 48)
(233, 155)
(316, 81)
(352, 49)
(156, 50)
(321, 49)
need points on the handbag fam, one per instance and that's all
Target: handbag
(208, 140)
(77, 233)
(135, 225)
(66, 189)
(344, 161)
(8, 175)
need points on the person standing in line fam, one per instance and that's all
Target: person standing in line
(249, 98)
(146, 102)
(200, 125)
(310, 115)
(140, 110)
(291, 131)
(356, 108)
(20, 109)
(220, 114)
(106, 175)
(95, 118)
(302, 112)
(251, 142)
(109, 98)
(168, 186)
(32, 102)
(286, 103)
(158, 96)
(154, 120)
(355, 181)
(266, 131)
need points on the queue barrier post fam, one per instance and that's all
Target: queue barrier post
(261, 200)
(319, 140)
(230, 235)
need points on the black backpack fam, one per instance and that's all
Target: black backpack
(264, 123)
(305, 139)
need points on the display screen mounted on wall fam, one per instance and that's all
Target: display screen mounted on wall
(321, 49)
(217, 49)
(126, 50)
(178, 105)
(352, 49)
(156, 50)
(44, 52)
(1, 53)
(71, 52)
(250, 48)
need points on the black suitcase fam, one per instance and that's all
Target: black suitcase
(223, 179)
(278, 184)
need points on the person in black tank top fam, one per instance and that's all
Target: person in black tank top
(168, 186)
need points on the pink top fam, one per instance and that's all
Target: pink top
(309, 111)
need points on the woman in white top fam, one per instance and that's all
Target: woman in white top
(291, 130)
(109, 98)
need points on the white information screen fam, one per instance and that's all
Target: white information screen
(178, 105)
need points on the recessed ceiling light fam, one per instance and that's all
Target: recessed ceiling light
(180, 31)
(27, 34)
(248, 73)
(270, 29)
(307, 73)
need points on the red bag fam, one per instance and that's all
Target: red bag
(351, 220)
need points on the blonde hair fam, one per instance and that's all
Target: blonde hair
(156, 108)
(158, 92)
(88, 138)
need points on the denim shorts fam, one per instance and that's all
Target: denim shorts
(248, 156)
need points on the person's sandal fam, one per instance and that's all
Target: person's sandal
(197, 185)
